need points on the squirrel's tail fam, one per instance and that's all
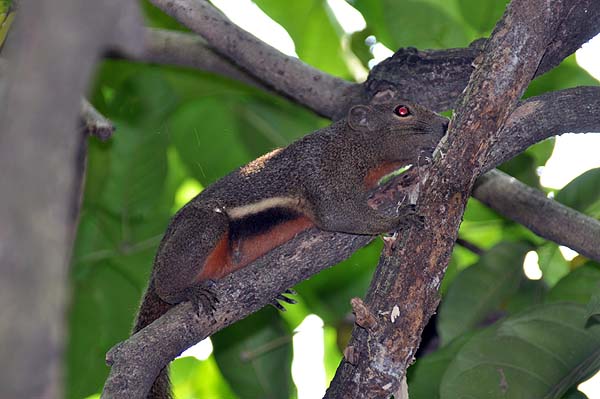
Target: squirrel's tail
(152, 308)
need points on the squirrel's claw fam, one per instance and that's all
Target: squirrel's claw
(277, 305)
(203, 299)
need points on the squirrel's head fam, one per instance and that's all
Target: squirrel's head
(386, 115)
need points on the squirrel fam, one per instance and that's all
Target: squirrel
(322, 180)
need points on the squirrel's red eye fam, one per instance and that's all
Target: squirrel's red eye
(402, 110)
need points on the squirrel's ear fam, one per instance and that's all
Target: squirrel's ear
(358, 117)
(384, 95)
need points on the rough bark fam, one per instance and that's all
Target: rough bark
(445, 73)
(137, 361)
(407, 279)
(41, 92)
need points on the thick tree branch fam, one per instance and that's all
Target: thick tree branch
(548, 219)
(574, 110)
(137, 361)
(289, 76)
(50, 56)
(407, 279)
(443, 72)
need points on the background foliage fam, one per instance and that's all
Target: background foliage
(180, 130)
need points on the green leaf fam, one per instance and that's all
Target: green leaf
(192, 378)
(157, 19)
(593, 306)
(567, 74)
(295, 314)
(255, 355)
(332, 355)
(478, 212)
(552, 263)
(530, 293)
(575, 394)
(583, 193)
(359, 46)
(204, 133)
(265, 125)
(129, 193)
(104, 301)
(6, 19)
(481, 226)
(482, 15)
(137, 170)
(316, 36)
(400, 24)
(191, 84)
(539, 353)
(425, 376)
(5, 6)
(523, 167)
(108, 277)
(542, 151)
(374, 13)
(137, 95)
(481, 289)
(328, 294)
(578, 286)
(460, 260)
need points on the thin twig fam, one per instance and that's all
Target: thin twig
(469, 246)
(545, 217)
(94, 123)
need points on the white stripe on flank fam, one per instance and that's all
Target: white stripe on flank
(262, 205)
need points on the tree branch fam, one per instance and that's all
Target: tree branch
(40, 101)
(168, 47)
(94, 123)
(445, 73)
(135, 365)
(546, 218)
(575, 110)
(130, 363)
(407, 280)
(289, 76)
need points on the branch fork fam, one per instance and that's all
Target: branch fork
(406, 282)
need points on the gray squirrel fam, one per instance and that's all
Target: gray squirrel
(322, 180)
